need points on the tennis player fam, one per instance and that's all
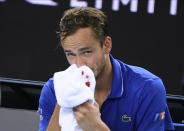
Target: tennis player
(129, 98)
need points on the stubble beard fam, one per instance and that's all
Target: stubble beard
(101, 71)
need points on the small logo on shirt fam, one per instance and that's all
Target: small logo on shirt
(159, 116)
(125, 118)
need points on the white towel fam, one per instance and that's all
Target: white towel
(73, 87)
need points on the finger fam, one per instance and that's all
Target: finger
(79, 108)
(83, 107)
(78, 116)
(86, 104)
(75, 109)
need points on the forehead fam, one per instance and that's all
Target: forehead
(82, 37)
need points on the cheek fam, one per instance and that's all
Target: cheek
(69, 61)
(96, 65)
(92, 64)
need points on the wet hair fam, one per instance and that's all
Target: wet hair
(76, 18)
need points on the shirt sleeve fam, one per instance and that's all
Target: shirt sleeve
(47, 104)
(153, 109)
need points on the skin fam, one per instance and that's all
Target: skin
(54, 124)
(82, 48)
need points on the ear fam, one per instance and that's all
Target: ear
(108, 44)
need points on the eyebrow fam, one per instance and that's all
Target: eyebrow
(67, 51)
(82, 49)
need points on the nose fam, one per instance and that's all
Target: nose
(79, 61)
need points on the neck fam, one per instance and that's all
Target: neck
(104, 82)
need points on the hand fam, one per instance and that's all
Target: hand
(89, 118)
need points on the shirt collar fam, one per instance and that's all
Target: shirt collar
(117, 80)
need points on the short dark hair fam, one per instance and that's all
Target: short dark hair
(76, 18)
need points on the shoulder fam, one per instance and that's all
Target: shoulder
(48, 87)
(47, 104)
(48, 91)
(137, 72)
(140, 81)
(47, 99)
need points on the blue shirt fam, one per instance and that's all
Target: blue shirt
(137, 101)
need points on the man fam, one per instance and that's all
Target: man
(128, 98)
